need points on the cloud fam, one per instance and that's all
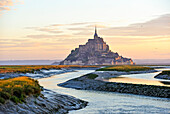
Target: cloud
(4, 8)
(97, 25)
(83, 28)
(45, 29)
(6, 4)
(12, 40)
(128, 40)
(49, 30)
(11, 43)
(165, 54)
(78, 24)
(154, 30)
(86, 33)
(70, 24)
(57, 25)
(83, 23)
(78, 28)
(48, 36)
(155, 27)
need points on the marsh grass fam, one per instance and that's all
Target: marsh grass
(126, 68)
(92, 76)
(17, 89)
(32, 68)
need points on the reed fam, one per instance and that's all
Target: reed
(32, 68)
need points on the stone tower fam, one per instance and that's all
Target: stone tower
(95, 34)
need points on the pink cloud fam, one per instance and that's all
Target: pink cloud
(156, 27)
(4, 8)
(5, 4)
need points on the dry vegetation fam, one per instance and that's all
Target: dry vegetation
(125, 68)
(17, 89)
(32, 68)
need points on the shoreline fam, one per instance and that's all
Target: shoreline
(47, 102)
(166, 77)
(84, 83)
(37, 74)
(112, 74)
(115, 76)
(57, 103)
(163, 75)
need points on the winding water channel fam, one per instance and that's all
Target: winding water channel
(108, 102)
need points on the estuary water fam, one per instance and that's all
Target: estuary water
(107, 102)
(147, 79)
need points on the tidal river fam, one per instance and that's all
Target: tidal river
(108, 102)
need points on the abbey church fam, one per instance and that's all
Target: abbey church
(95, 52)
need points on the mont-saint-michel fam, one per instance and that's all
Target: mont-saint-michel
(95, 52)
(84, 57)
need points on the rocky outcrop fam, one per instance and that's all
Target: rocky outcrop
(95, 52)
(164, 75)
(84, 83)
(48, 102)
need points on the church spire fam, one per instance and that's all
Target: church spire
(95, 34)
(95, 30)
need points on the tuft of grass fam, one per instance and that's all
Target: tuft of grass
(17, 89)
(92, 76)
(126, 68)
(2, 100)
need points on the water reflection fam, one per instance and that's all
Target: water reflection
(146, 79)
(137, 81)
(107, 102)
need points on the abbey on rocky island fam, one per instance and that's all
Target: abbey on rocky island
(95, 52)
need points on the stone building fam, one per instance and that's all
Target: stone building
(95, 52)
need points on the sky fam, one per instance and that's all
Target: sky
(50, 29)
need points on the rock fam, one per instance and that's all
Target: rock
(47, 102)
(167, 77)
(164, 75)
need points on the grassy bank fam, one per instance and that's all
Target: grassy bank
(32, 68)
(125, 68)
(92, 76)
(17, 89)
